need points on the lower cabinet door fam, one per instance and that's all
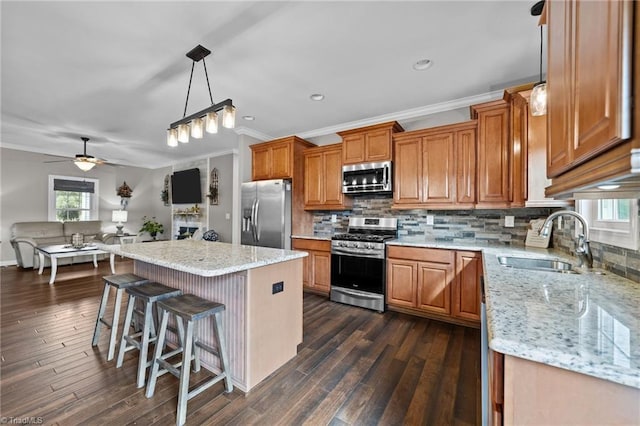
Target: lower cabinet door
(401, 283)
(434, 294)
(466, 289)
(321, 270)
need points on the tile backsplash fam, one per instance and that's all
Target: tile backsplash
(484, 226)
(448, 225)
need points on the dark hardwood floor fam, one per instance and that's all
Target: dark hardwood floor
(354, 367)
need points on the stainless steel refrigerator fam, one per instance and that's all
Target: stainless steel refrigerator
(266, 213)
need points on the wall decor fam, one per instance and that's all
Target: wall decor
(124, 192)
(164, 195)
(213, 188)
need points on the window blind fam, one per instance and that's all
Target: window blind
(73, 185)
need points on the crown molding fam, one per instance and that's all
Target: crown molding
(242, 130)
(406, 114)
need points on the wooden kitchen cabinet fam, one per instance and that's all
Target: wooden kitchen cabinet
(494, 149)
(323, 179)
(276, 159)
(429, 283)
(369, 144)
(529, 152)
(466, 288)
(435, 168)
(588, 82)
(316, 268)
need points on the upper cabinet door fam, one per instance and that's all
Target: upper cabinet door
(313, 184)
(493, 155)
(438, 168)
(282, 160)
(407, 171)
(378, 146)
(261, 163)
(600, 81)
(466, 166)
(333, 177)
(353, 149)
(589, 79)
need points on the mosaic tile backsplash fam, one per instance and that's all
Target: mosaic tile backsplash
(471, 226)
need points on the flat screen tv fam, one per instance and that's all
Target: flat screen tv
(185, 187)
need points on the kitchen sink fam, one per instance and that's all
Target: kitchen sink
(538, 264)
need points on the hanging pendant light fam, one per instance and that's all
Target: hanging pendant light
(211, 120)
(207, 119)
(172, 137)
(538, 101)
(197, 128)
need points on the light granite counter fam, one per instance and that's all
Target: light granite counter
(205, 258)
(587, 323)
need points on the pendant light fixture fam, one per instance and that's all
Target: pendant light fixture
(538, 101)
(207, 119)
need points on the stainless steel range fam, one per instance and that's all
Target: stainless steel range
(358, 273)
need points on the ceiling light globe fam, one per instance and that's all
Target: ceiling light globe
(211, 122)
(172, 137)
(229, 116)
(183, 133)
(197, 128)
(538, 101)
(84, 165)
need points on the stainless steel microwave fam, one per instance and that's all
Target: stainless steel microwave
(367, 178)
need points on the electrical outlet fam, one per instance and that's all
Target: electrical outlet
(429, 219)
(227, 216)
(334, 218)
(277, 287)
(509, 221)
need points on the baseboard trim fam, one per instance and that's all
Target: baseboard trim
(8, 262)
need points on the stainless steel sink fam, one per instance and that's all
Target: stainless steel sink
(550, 265)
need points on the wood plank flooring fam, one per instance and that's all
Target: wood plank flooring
(354, 367)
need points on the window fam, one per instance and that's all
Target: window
(72, 198)
(612, 221)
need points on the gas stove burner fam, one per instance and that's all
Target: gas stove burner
(370, 238)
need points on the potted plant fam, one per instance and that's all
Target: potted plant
(152, 226)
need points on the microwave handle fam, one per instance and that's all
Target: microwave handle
(386, 175)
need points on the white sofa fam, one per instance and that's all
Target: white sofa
(26, 236)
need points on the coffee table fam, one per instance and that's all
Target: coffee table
(56, 252)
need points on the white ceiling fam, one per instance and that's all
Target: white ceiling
(117, 71)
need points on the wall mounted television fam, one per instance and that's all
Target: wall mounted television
(185, 187)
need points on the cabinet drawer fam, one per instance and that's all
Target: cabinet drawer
(421, 254)
(310, 244)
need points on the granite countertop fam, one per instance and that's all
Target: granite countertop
(205, 258)
(588, 322)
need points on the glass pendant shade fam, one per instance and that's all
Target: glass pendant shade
(84, 165)
(538, 102)
(183, 133)
(172, 137)
(229, 116)
(211, 121)
(197, 128)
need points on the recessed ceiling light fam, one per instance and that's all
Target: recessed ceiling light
(248, 117)
(317, 97)
(422, 64)
(608, 187)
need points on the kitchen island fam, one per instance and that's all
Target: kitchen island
(260, 287)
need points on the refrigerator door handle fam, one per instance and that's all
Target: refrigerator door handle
(257, 220)
(252, 223)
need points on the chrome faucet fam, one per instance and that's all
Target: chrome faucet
(583, 251)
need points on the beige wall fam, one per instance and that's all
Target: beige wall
(24, 180)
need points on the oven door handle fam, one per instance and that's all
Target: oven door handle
(341, 252)
(357, 293)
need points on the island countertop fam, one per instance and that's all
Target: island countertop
(587, 323)
(204, 258)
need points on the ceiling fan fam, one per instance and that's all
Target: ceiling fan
(83, 161)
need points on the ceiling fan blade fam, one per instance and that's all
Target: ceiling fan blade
(57, 161)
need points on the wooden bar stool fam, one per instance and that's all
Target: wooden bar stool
(189, 308)
(120, 282)
(148, 294)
